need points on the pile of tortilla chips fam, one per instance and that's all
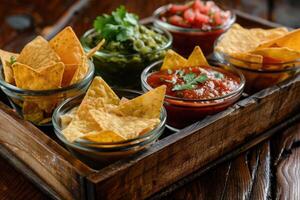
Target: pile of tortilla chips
(44, 65)
(262, 46)
(173, 60)
(102, 117)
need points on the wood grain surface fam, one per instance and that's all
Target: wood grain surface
(269, 170)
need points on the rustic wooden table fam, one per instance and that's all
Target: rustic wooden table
(269, 170)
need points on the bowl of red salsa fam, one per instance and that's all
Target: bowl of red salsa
(194, 23)
(194, 92)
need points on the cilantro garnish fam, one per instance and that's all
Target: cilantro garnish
(190, 81)
(119, 26)
(12, 60)
(218, 75)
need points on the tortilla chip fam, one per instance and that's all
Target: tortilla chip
(237, 40)
(173, 60)
(6, 63)
(98, 94)
(81, 70)
(95, 49)
(146, 106)
(32, 112)
(279, 54)
(38, 53)
(28, 78)
(67, 118)
(53, 73)
(127, 126)
(67, 46)
(290, 40)
(268, 34)
(197, 58)
(69, 73)
(103, 137)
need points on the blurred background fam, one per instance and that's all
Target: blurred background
(21, 20)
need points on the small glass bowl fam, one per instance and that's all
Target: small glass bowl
(101, 154)
(183, 112)
(261, 75)
(37, 106)
(123, 70)
(185, 39)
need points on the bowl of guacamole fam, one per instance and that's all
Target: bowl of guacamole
(129, 47)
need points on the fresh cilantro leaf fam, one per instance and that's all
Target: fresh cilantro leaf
(12, 60)
(119, 26)
(191, 82)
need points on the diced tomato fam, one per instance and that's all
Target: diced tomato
(200, 19)
(178, 21)
(189, 15)
(217, 18)
(177, 8)
(198, 5)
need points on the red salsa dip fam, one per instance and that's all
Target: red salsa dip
(195, 83)
(196, 14)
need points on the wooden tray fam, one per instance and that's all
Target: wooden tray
(39, 156)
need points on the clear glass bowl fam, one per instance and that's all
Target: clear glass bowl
(101, 154)
(124, 70)
(183, 112)
(37, 106)
(185, 39)
(261, 75)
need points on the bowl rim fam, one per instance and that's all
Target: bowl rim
(164, 32)
(149, 135)
(78, 85)
(146, 73)
(225, 58)
(171, 27)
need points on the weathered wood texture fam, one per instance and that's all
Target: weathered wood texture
(54, 170)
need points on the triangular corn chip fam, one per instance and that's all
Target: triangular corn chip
(103, 137)
(126, 126)
(67, 46)
(81, 70)
(28, 78)
(70, 70)
(278, 54)
(173, 60)
(290, 40)
(95, 49)
(38, 53)
(6, 58)
(197, 58)
(146, 106)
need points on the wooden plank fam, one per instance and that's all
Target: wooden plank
(287, 162)
(40, 158)
(212, 137)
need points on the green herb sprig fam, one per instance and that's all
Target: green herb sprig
(190, 81)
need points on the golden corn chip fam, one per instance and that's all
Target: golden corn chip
(268, 34)
(247, 60)
(278, 54)
(66, 119)
(32, 112)
(53, 73)
(69, 73)
(127, 126)
(146, 106)
(38, 53)
(237, 40)
(95, 49)
(67, 46)
(103, 136)
(197, 58)
(6, 58)
(290, 40)
(81, 70)
(28, 78)
(173, 60)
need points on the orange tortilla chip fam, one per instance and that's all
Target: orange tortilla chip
(173, 60)
(67, 46)
(103, 137)
(69, 73)
(38, 53)
(81, 70)
(6, 58)
(147, 106)
(280, 54)
(197, 58)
